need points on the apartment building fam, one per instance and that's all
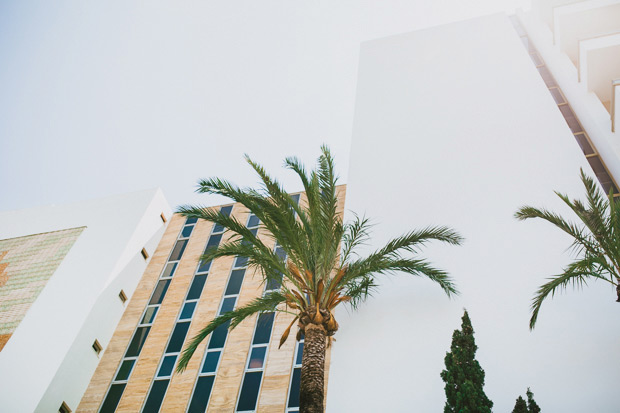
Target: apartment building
(234, 371)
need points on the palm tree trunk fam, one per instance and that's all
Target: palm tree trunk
(311, 390)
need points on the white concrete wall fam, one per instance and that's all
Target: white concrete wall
(50, 355)
(454, 126)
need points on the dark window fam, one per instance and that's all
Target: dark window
(214, 241)
(149, 315)
(188, 310)
(145, 254)
(218, 228)
(300, 353)
(597, 165)
(585, 146)
(274, 283)
(191, 221)
(210, 364)
(281, 253)
(224, 211)
(137, 341)
(166, 366)
(234, 282)
(257, 357)
(187, 231)
(64, 408)
(557, 95)
(197, 285)
(122, 296)
(528, 45)
(547, 76)
(263, 328)
(200, 399)
(293, 398)
(607, 186)
(177, 252)
(571, 120)
(204, 266)
(160, 291)
(125, 370)
(178, 337)
(169, 270)
(163, 218)
(228, 305)
(97, 347)
(536, 59)
(241, 262)
(253, 221)
(112, 399)
(156, 396)
(218, 337)
(249, 391)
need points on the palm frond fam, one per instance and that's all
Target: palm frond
(575, 275)
(581, 240)
(356, 233)
(596, 242)
(268, 302)
(388, 265)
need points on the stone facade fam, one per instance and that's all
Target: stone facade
(278, 363)
(26, 265)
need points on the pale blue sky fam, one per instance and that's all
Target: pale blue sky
(99, 98)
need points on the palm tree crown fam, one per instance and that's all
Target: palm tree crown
(321, 269)
(596, 242)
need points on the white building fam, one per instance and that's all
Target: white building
(455, 125)
(65, 274)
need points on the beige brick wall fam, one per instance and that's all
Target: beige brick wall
(26, 265)
(230, 372)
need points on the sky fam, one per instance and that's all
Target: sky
(101, 98)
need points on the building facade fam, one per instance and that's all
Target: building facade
(66, 273)
(232, 371)
(463, 125)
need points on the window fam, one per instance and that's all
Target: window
(293, 390)
(158, 389)
(116, 389)
(156, 396)
(144, 253)
(255, 363)
(97, 347)
(64, 408)
(122, 296)
(163, 218)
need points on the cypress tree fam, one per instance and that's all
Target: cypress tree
(532, 406)
(520, 406)
(463, 375)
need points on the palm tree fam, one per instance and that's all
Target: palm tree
(596, 242)
(322, 268)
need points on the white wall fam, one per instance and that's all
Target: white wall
(50, 354)
(454, 126)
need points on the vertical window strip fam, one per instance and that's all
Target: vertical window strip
(255, 365)
(292, 405)
(123, 373)
(173, 348)
(211, 359)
